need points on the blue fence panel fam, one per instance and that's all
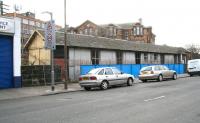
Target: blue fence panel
(126, 68)
(85, 69)
(133, 69)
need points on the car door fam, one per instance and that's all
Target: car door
(121, 78)
(110, 76)
(166, 72)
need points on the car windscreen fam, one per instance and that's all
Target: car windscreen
(94, 71)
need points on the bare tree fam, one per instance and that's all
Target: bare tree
(194, 49)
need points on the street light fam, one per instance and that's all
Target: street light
(52, 57)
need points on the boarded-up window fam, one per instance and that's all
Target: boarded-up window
(95, 56)
(145, 57)
(119, 57)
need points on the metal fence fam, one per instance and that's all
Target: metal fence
(132, 68)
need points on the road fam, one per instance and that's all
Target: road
(173, 101)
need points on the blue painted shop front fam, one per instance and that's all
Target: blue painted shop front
(132, 68)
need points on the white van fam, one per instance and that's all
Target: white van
(193, 67)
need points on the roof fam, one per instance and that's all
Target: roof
(87, 41)
(123, 25)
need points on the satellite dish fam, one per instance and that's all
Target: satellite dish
(17, 7)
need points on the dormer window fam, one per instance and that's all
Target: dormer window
(137, 30)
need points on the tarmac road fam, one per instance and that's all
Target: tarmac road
(173, 101)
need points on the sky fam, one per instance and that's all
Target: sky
(174, 22)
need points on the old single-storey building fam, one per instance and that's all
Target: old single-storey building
(88, 50)
(10, 52)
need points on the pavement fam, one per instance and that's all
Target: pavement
(15, 93)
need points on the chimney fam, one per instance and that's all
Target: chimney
(140, 21)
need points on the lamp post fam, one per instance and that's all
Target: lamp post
(66, 50)
(52, 58)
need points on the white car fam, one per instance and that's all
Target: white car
(105, 77)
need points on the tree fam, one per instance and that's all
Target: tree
(194, 49)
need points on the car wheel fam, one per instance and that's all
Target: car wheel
(174, 76)
(130, 82)
(104, 85)
(160, 78)
(87, 88)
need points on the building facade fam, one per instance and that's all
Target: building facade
(10, 53)
(92, 50)
(28, 24)
(127, 31)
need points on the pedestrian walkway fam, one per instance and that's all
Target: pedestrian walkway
(15, 93)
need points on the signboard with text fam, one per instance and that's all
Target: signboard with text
(50, 38)
(6, 25)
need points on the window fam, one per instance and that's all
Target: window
(162, 59)
(95, 56)
(156, 68)
(32, 23)
(86, 31)
(108, 71)
(138, 30)
(155, 57)
(134, 31)
(90, 31)
(145, 56)
(141, 31)
(38, 24)
(101, 72)
(137, 57)
(126, 35)
(110, 31)
(116, 71)
(119, 57)
(25, 21)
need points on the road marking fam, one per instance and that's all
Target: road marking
(63, 99)
(156, 98)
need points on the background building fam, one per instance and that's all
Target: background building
(28, 24)
(127, 31)
(93, 50)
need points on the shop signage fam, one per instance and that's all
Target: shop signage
(6, 25)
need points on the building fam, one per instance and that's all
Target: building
(126, 31)
(10, 52)
(88, 50)
(28, 24)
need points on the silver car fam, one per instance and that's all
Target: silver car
(105, 77)
(156, 72)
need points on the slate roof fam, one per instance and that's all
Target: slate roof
(87, 41)
(123, 25)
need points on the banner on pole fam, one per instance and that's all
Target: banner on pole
(50, 36)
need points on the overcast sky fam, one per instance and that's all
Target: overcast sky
(174, 22)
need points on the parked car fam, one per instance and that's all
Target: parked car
(105, 77)
(193, 67)
(156, 72)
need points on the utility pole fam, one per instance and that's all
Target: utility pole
(1, 7)
(66, 51)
